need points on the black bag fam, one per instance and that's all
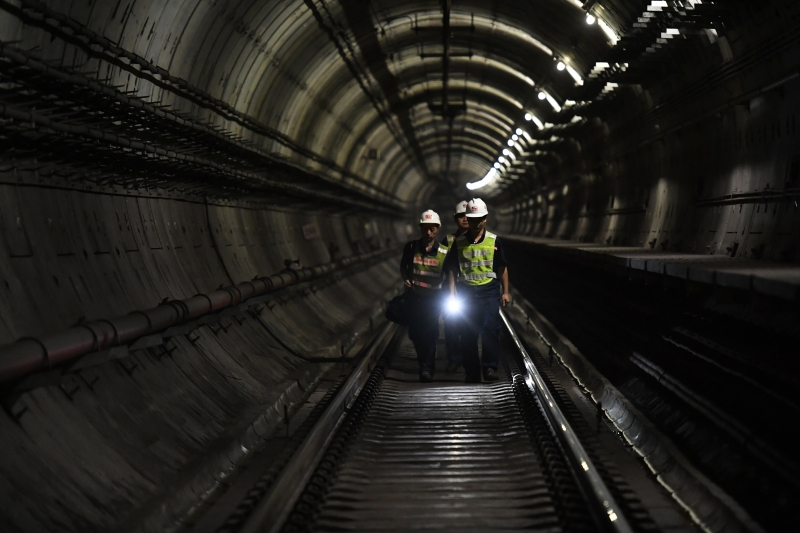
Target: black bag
(398, 310)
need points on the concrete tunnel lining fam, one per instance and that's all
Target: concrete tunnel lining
(694, 151)
(204, 386)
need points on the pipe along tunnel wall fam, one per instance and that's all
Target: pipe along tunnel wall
(86, 450)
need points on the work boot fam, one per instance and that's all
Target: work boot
(425, 376)
(490, 374)
(452, 368)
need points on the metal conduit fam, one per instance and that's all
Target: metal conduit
(31, 354)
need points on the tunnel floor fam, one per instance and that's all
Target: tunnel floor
(443, 455)
(453, 456)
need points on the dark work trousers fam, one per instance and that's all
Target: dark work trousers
(423, 329)
(452, 338)
(481, 319)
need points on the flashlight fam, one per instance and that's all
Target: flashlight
(453, 305)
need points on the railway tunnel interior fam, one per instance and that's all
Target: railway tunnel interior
(202, 206)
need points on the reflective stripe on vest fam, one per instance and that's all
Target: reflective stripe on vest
(426, 261)
(482, 275)
(467, 264)
(476, 260)
(425, 285)
(479, 253)
(427, 275)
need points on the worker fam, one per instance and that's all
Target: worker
(452, 338)
(422, 269)
(477, 275)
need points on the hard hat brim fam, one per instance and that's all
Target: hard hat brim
(476, 215)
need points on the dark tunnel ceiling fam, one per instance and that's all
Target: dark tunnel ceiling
(410, 97)
(499, 56)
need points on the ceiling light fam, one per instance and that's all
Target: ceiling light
(575, 76)
(552, 102)
(542, 96)
(510, 142)
(536, 121)
(528, 117)
(497, 165)
(590, 19)
(514, 137)
(501, 159)
(492, 174)
(561, 66)
(506, 151)
(519, 131)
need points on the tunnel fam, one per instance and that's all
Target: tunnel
(203, 205)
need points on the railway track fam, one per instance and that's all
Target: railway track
(719, 387)
(393, 454)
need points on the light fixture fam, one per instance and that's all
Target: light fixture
(501, 159)
(575, 76)
(519, 131)
(514, 137)
(506, 151)
(497, 165)
(552, 101)
(510, 142)
(491, 175)
(590, 19)
(561, 66)
(529, 117)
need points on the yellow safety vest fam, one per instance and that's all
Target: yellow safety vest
(476, 260)
(428, 273)
(450, 239)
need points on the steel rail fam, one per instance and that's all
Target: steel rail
(278, 503)
(606, 510)
(292, 496)
(29, 355)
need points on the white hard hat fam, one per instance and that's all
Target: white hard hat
(477, 208)
(430, 217)
(461, 207)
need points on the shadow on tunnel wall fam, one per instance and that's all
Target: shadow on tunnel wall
(85, 451)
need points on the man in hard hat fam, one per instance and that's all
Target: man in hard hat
(478, 273)
(422, 268)
(452, 337)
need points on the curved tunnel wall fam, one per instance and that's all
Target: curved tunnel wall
(698, 157)
(88, 451)
(702, 160)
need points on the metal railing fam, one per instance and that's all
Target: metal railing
(606, 510)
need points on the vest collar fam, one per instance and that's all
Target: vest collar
(421, 247)
(470, 241)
